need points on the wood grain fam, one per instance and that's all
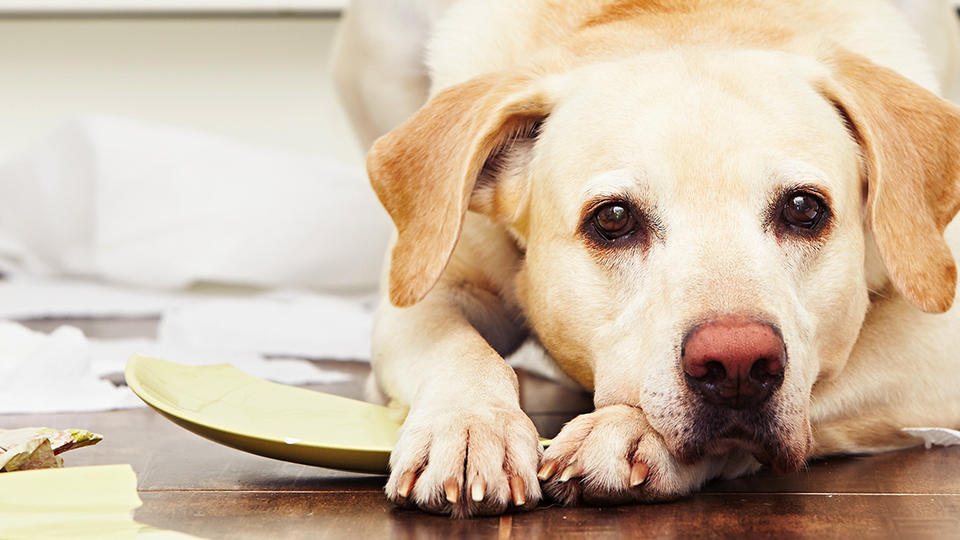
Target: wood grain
(350, 514)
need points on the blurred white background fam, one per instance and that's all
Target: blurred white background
(253, 70)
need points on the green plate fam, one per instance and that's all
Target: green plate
(278, 421)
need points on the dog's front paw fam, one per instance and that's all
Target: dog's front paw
(611, 456)
(466, 462)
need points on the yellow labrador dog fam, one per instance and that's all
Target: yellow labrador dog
(729, 219)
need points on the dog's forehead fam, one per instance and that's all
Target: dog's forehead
(738, 120)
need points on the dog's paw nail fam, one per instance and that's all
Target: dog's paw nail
(547, 470)
(516, 490)
(478, 489)
(451, 488)
(638, 473)
(569, 472)
(405, 486)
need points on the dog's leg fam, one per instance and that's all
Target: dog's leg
(612, 455)
(465, 447)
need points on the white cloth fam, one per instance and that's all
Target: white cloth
(157, 206)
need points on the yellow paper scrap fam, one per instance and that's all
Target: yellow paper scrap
(76, 502)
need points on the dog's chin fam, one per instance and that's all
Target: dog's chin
(778, 442)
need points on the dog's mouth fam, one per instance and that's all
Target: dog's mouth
(777, 442)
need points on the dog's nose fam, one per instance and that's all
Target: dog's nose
(733, 361)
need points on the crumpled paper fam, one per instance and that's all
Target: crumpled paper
(935, 436)
(39, 448)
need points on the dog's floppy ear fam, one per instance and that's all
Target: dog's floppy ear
(426, 170)
(910, 139)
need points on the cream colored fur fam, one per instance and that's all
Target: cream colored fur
(702, 110)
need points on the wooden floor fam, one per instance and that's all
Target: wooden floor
(192, 485)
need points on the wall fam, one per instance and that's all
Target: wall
(259, 78)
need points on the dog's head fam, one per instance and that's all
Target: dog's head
(701, 231)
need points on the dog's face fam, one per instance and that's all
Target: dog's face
(700, 230)
(667, 193)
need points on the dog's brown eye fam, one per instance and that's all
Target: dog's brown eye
(614, 220)
(803, 210)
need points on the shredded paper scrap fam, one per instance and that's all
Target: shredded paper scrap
(39, 448)
(935, 436)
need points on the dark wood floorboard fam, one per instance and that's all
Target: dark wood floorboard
(352, 514)
(193, 485)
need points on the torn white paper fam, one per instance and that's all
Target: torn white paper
(301, 324)
(31, 297)
(110, 356)
(935, 436)
(279, 324)
(42, 373)
(61, 371)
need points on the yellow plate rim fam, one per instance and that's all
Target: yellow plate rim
(130, 375)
